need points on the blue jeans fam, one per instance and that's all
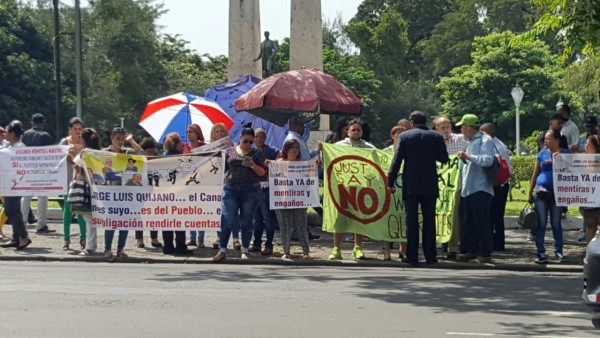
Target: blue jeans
(108, 239)
(197, 234)
(237, 209)
(543, 208)
(264, 219)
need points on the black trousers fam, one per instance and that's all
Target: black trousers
(140, 234)
(12, 209)
(476, 230)
(411, 206)
(497, 214)
(179, 241)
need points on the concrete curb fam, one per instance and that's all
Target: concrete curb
(444, 265)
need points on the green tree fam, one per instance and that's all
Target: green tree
(581, 82)
(25, 67)
(483, 87)
(578, 22)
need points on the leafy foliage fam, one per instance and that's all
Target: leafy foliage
(483, 88)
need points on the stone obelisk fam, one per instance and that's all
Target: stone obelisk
(244, 38)
(306, 44)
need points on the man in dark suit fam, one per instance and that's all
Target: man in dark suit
(419, 149)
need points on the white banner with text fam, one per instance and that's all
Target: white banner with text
(132, 192)
(293, 185)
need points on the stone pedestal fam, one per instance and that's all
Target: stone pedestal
(306, 43)
(244, 38)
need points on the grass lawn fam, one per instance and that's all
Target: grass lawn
(519, 199)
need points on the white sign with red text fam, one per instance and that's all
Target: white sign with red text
(577, 180)
(33, 171)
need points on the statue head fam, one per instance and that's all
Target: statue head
(267, 34)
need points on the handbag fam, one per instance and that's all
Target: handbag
(502, 171)
(79, 195)
(528, 218)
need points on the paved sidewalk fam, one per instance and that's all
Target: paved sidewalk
(519, 256)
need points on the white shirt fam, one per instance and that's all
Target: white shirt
(571, 132)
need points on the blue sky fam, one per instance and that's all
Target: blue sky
(204, 23)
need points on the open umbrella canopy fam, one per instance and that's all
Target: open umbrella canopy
(283, 95)
(174, 113)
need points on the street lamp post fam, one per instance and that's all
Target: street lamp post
(517, 95)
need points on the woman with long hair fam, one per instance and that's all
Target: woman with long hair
(217, 132)
(541, 193)
(75, 144)
(288, 218)
(12, 204)
(174, 146)
(591, 216)
(244, 166)
(196, 139)
(89, 140)
(340, 130)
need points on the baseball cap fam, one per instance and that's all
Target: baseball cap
(38, 118)
(468, 119)
(590, 121)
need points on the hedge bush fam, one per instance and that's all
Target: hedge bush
(522, 168)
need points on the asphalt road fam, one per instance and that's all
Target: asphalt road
(135, 300)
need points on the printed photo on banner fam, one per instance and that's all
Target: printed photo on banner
(293, 185)
(576, 179)
(33, 171)
(180, 192)
(356, 199)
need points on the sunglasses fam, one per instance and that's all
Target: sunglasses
(247, 141)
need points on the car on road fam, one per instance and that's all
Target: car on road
(591, 279)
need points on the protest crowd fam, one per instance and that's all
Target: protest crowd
(417, 146)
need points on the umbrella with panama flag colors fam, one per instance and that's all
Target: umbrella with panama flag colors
(174, 113)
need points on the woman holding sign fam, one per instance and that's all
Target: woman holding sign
(218, 132)
(287, 218)
(541, 193)
(75, 144)
(12, 204)
(196, 140)
(244, 166)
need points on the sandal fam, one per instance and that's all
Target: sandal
(286, 257)
(121, 254)
(66, 245)
(82, 244)
(237, 245)
(218, 257)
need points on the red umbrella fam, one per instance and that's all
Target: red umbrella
(283, 95)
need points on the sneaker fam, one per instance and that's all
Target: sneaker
(560, 258)
(357, 253)
(336, 254)
(542, 260)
